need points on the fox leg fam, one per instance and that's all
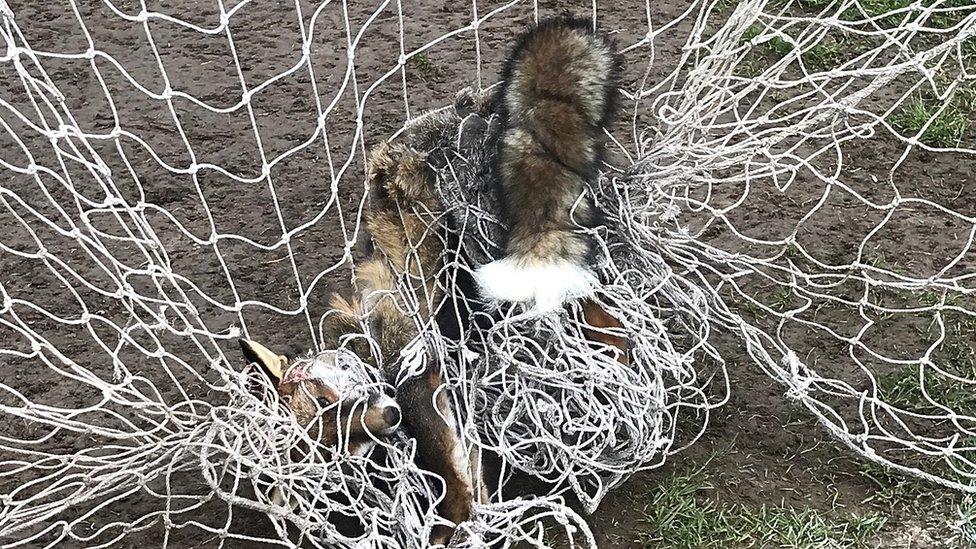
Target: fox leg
(429, 418)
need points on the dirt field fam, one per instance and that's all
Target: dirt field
(764, 475)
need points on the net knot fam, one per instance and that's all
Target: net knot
(799, 382)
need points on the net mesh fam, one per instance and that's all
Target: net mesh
(789, 190)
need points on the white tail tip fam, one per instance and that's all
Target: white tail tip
(546, 285)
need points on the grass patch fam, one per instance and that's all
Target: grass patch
(879, 261)
(892, 488)
(423, 66)
(750, 33)
(951, 12)
(947, 130)
(965, 524)
(826, 54)
(723, 5)
(903, 389)
(757, 60)
(909, 499)
(823, 55)
(778, 46)
(780, 299)
(955, 354)
(814, 3)
(966, 95)
(969, 49)
(775, 45)
(876, 8)
(955, 12)
(679, 515)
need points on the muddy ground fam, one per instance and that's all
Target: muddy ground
(759, 449)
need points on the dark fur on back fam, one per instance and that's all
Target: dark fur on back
(559, 91)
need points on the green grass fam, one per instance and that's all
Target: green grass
(953, 515)
(878, 7)
(969, 49)
(955, 354)
(723, 5)
(826, 54)
(966, 95)
(874, 8)
(743, 303)
(879, 261)
(814, 3)
(820, 56)
(893, 489)
(781, 298)
(945, 131)
(778, 46)
(965, 520)
(423, 65)
(950, 18)
(944, 19)
(774, 45)
(902, 389)
(750, 33)
(681, 515)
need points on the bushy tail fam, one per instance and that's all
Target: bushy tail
(559, 91)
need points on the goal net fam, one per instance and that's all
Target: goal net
(789, 190)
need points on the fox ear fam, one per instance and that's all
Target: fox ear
(272, 364)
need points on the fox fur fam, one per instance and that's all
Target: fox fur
(408, 248)
(559, 92)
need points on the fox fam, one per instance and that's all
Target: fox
(558, 92)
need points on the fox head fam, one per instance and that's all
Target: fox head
(330, 394)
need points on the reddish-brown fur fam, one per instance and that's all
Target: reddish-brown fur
(599, 325)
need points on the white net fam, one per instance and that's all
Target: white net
(791, 188)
